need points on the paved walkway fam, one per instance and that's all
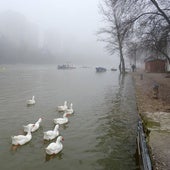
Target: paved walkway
(155, 114)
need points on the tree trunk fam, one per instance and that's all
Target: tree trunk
(121, 58)
(122, 62)
(120, 67)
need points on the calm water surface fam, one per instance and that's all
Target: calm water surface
(100, 135)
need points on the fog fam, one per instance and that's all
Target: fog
(51, 31)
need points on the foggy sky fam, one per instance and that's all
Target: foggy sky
(67, 28)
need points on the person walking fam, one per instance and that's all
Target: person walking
(133, 67)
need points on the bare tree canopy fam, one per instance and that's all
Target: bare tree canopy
(140, 25)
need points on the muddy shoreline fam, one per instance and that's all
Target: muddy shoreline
(155, 114)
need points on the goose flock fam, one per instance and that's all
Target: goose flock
(53, 147)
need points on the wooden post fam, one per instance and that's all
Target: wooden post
(155, 91)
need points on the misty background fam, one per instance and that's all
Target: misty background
(51, 32)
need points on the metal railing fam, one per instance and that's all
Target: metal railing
(144, 158)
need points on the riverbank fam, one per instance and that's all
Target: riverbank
(155, 113)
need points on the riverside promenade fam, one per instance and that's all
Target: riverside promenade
(155, 113)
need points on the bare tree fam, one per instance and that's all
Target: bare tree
(151, 25)
(145, 21)
(116, 30)
(161, 11)
(157, 39)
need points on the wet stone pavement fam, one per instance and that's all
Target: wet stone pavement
(155, 114)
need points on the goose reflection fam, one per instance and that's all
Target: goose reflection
(59, 156)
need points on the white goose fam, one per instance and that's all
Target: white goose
(55, 147)
(22, 139)
(51, 134)
(33, 127)
(31, 101)
(61, 120)
(62, 108)
(70, 109)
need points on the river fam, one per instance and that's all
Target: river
(101, 135)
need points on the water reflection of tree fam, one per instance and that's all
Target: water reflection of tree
(117, 144)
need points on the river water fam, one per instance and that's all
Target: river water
(100, 135)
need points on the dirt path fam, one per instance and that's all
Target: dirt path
(155, 114)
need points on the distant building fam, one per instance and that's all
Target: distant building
(155, 65)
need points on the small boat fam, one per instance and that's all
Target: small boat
(66, 67)
(100, 69)
(113, 69)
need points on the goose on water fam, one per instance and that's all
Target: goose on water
(62, 108)
(55, 147)
(70, 109)
(33, 128)
(31, 101)
(22, 139)
(62, 120)
(51, 134)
